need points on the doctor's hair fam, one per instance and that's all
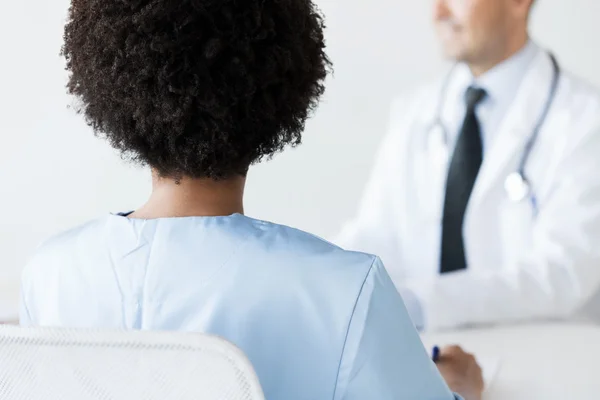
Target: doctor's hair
(196, 88)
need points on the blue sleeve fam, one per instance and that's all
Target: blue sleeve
(384, 357)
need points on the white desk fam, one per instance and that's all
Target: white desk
(545, 362)
(9, 303)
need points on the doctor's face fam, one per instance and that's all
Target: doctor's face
(472, 30)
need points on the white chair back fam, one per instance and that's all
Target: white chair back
(38, 364)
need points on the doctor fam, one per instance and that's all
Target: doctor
(485, 199)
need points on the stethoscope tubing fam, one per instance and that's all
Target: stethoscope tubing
(529, 145)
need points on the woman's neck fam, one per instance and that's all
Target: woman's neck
(193, 198)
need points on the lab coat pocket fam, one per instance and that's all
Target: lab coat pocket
(516, 220)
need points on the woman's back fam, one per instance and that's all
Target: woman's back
(316, 321)
(199, 91)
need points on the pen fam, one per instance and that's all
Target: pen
(435, 354)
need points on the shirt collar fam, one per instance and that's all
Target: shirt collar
(501, 82)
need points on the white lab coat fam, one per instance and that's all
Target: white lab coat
(538, 259)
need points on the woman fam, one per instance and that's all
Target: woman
(198, 90)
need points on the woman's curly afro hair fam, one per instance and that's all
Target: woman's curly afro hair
(196, 88)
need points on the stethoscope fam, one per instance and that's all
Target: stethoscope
(516, 185)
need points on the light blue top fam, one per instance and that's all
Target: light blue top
(501, 84)
(317, 322)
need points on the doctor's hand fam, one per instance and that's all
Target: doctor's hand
(461, 372)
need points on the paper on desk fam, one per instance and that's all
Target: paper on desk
(489, 367)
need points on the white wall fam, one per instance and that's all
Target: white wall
(54, 173)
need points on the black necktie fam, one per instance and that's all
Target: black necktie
(462, 172)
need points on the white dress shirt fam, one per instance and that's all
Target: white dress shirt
(501, 83)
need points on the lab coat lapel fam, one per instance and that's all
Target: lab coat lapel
(516, 128)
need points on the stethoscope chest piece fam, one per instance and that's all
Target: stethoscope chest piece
(516, 187)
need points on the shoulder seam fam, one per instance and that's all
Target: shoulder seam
(360, 292)
(296, 230)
